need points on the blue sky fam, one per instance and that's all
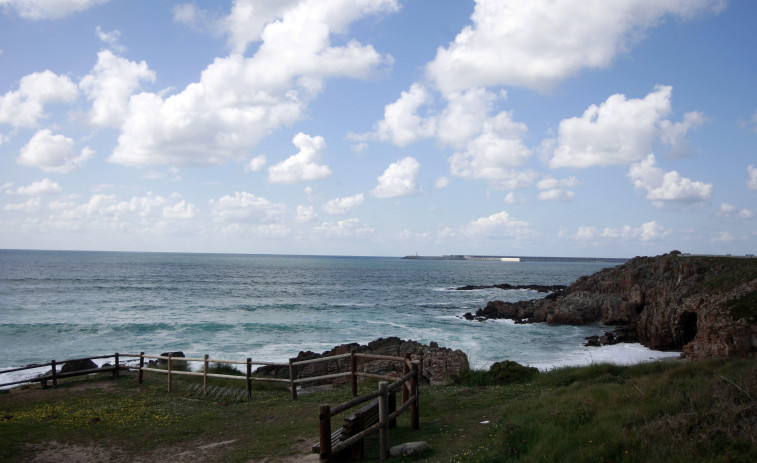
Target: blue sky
(379, 127)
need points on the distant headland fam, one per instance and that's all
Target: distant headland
(618, 260)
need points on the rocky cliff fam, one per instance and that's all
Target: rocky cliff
(704, 306)
(439, 363)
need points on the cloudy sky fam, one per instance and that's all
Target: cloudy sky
(379, 127)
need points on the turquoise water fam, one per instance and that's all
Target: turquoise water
(67, 304)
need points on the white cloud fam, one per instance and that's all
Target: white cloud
(245, 207)
(53, 153)
(752, 182)
(240, 100)
(499, 225)
(42, 187)
(729, 210)
(306, 214)
(494, 153)
(441, 182)
(401, 124)
(48, 9)
(664, 187)
(111, 38)
(304, 165)
(246, 21)
(256, 164)
(619, 131)
(110, 84)
(350, 228)
(181, 210)
(30, 205)
(556, 190)
(539, 43)
(343, 205)
(25, 106)
(509, 199)
(398, 179)
(724, 237)
(648, 231)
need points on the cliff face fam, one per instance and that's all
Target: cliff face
(705, 306)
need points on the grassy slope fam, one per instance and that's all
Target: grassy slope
(663, 411)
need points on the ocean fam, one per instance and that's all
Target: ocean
(69, 304)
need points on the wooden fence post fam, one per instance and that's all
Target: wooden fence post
(324, 417)
(170, 361)
(205, 376)
(115, 367)
(141, 365)
(291, 381)
(55, 377)
(415, 419)
(405, 371)
(353, 372)
(383, 424)
(249, 378)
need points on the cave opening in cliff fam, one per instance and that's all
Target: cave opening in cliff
(687, 327)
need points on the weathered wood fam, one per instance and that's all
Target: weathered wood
(405, 370)
(319, 378)
(375, 357)
(115, 366)
(414, 412)
(324, 417)
(141, 365)
(249, 378)
(170, 365)
(384, 428)
(292, 386)
(320, 359)
(205, 375)
(353, 372)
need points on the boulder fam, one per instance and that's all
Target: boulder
(78, 365)
(408, 449)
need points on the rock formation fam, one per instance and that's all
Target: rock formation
(439, 363)
(705, 306)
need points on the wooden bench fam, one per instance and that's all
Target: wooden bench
(361, 419)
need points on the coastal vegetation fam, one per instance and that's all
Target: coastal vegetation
(678, 410)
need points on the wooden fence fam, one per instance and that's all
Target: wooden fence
(54, 374)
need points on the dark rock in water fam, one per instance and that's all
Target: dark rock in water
(78, 365)
(506, 286)
(439, 363)
(174, 363)
(703, 305)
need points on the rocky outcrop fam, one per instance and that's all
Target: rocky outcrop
(507, 286)
(704, 306)
(439, 363)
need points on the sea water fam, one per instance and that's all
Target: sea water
(69, 304)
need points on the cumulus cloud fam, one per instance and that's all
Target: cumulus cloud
(339, 206)
(42, 187)
(256, 164)
(401, 124)
(539, 43)
(53, 153)
(110, 38)
(306, 214)
(441, 182)
(729, 210)
(245, 207)
(648, 231)
(723, 237)
(304, 165)
(26, 106)
(48, 9)
(30, 205)
(398, 179)
(556, 190)
(664, 186)
(181, 210)
(494, 154)
(239, 100)
(499, 225)
(110, 84)
(619, 131)
(350, 228)
(752, 181)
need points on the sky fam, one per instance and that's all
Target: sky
(379, 127)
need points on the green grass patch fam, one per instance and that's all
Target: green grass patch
(654, 412)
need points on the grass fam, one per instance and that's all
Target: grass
(652, 412)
